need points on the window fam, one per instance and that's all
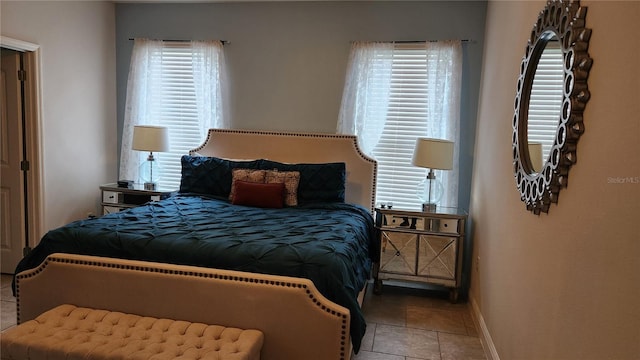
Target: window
(178, 85)
(422, 100)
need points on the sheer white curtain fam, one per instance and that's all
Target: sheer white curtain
(210, 84)
(156, 97)
(140, 85)
(395, 93)
(445, 58)
(365, 99)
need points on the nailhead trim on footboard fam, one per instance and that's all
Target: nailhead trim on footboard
(317, 302)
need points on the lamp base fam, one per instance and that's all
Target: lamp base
(429, 207)
(149, 174)
(430, 191)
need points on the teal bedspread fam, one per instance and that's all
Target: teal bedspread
(328, 243)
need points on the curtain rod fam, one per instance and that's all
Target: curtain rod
(417, 41)
(422, 41)
(224, 42)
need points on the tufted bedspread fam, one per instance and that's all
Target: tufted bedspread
(327, 243)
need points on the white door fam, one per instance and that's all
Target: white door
(11, 187)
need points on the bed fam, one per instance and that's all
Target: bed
(323, 231)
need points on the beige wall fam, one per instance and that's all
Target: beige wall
(563, 285)
(77, 46)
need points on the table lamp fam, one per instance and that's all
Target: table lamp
(150, 138)
(432, 154)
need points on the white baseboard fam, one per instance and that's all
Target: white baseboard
(485, 337)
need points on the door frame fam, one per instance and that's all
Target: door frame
(33, 123)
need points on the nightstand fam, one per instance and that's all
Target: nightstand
(116, 198)
(418, 246)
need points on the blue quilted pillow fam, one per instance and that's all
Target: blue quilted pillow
(318, 182)
(210, 175)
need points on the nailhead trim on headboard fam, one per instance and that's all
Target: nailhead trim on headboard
(353, 138)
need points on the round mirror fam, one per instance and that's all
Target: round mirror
(551, 96)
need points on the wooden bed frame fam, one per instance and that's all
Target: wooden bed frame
(298, 322)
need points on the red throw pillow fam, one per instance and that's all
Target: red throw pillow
(258, 194)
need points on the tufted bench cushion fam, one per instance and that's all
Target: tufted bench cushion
(70, 332)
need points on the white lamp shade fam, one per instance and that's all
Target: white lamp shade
(433, 154)
(150, 138)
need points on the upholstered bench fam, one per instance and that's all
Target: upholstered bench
(74, 332)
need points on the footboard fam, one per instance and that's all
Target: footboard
(297, 321)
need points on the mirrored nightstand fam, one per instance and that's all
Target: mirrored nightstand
(420, 246)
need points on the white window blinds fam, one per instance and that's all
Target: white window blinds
(545, 103)
(422, 95)
(175, 107)
(406, 115)
(177, 85)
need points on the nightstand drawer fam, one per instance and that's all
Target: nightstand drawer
(446, 226)
(403, 222)
(420, 223)
(116, 198)
(112, 197)
(110, 209)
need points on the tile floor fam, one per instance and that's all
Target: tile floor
(417, 324)
(402, 324)
(8, 308)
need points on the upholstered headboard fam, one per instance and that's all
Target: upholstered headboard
(297, 320)
(299, 148)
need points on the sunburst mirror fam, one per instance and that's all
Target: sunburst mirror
(551, 96)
